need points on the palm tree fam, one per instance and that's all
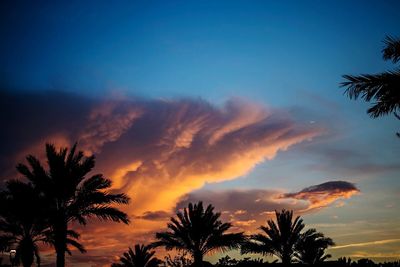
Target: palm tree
(70, 195)
(140, 257)
(382, 88)
(198, 231)
(278, 239)
(310, 249)
(21, 221)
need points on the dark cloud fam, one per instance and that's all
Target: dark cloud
(332, 186)
(155, 215)
(28, 118)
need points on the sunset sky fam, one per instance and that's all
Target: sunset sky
(236, 103)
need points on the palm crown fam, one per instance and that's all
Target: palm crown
(382, 88)
(71, 195)
(141, 256)
(198, 231)
(310, 249)
(278, 239)
(21, 221)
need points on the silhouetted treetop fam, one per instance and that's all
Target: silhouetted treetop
(382, 89)
(198, 231)
(71, 194)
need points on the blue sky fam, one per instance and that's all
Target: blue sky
(268, 50)
(286, 55)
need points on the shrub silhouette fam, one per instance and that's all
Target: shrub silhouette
(180, 260)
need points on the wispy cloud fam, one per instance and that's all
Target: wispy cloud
(369, 243)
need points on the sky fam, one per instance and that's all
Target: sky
(236, 103)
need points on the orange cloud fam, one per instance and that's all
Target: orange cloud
(324, 194)
(157, 151)
(175, 147)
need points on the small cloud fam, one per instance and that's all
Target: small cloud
(322, 195)
(155, 215)
(245, 223)
(240, 212)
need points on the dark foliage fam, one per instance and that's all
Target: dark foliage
(310, 248)
(141, 256)
(382, 89)
(198, 231)
(180, 260)
(21, 221)
(278, 238)
(70, 195)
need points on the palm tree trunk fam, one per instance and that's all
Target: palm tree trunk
(198, 259)
(26, 260)
(60, 242)
(286, 260)
(60, 257)
(27, 251)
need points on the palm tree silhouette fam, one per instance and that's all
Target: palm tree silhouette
(21, 221)
(382, 88)
(70, 195)
(198, 231)
(278, 239)
(140, 257)
(310, 249)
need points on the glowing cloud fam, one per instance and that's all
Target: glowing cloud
(156, 151)
(324, 194)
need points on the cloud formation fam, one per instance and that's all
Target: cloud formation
(324, 194)
(175, 147)
(157, 151)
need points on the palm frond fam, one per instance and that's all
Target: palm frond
(76, 245)
(383, 89)
(106, 213)
(198, 231)
(392, 49)
(140, 256)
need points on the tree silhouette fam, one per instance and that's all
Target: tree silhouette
(21, 221)
(70, 195)
(278, 238)
(310, 249)
(140, 257)
(198, 231)
(179, 260)
(383, 88)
